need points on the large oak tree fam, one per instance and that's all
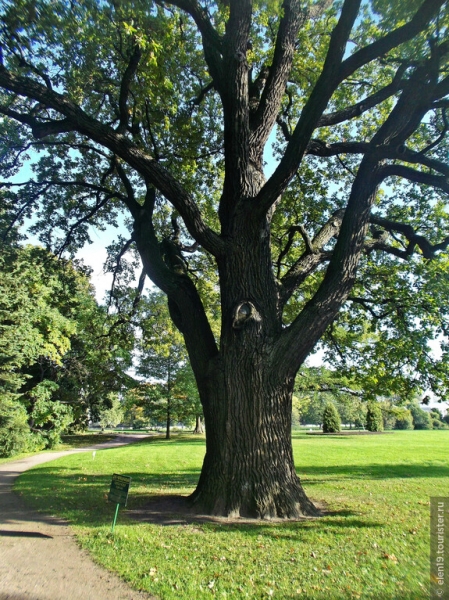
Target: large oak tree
(162, 111)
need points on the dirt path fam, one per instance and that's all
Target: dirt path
(39, 558)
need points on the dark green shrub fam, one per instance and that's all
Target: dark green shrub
(15, 436)
(374, 421)
(331, 419)
(421, 419)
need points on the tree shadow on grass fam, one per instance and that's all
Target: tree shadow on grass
(82, 498)
(175, 510)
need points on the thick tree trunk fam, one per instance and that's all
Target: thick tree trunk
(248, 469)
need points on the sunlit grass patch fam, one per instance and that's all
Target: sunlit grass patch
(68, 442)
(373, 542)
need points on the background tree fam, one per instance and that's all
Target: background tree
(162, 110)
(374, 421)
(111, 417)
(331, 419)
(404, 419)
(57, 357)
(163, 361)
(421, 418)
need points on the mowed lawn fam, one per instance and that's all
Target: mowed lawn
(374, 542)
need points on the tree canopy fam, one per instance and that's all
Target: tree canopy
(57, 356)
(165, 111)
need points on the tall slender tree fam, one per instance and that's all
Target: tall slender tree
(162, 110)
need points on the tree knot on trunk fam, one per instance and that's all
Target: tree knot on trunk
(244, 313)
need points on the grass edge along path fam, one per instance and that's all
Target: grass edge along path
(373, 543)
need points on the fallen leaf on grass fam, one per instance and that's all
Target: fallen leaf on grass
(389, 557)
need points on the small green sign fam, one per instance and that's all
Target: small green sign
(118, 492)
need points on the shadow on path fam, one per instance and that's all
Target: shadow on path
(40, 559)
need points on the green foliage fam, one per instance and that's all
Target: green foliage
(404, 420)
(111, 417)
(374, 421)
(421, 418)
(32, 327)
(317, 386)
(173, 395)
(15, 435)
(331, 419)
(56, 362)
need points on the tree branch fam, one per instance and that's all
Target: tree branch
(123, 147)
(265, 117)
(312, 111)
(127, 78)
(39, 129)
(212, 41)
(428, 250)
(311, 258)
(418, 23)
(365, 304)
(437, 181)
(366, 104)
(321, 148)
(186, 306)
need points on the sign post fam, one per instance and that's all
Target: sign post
(118, 493)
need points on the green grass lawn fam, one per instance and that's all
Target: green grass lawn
(374, 544)
(69, 442)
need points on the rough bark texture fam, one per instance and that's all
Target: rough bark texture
(248, 469)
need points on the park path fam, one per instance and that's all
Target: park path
(39, 557)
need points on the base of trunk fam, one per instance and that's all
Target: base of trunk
(199, 427)
(280, 496)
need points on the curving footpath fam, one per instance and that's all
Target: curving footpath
(39, 558)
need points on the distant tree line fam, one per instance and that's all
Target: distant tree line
(325, 399)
